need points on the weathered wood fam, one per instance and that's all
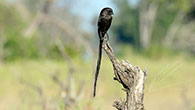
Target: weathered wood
(132, 78)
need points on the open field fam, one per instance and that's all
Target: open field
(170, 84)
(49, 48)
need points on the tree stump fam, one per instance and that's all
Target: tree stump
(132, 78)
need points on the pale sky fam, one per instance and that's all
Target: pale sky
(88, 9)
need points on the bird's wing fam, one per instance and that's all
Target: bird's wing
(100, 20)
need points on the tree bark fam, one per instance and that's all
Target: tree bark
(132, 78)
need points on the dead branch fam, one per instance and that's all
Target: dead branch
(68, 94)
(72, 32)
(44, 16)
(68, 90)
(38, 89)
(132, 78)
(39, 18)
(65, 55)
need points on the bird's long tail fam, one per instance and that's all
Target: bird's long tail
(98, 66)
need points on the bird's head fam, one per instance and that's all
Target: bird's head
(107, 11)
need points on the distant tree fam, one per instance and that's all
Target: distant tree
(126, 23)
(151, 21)
(30, 28)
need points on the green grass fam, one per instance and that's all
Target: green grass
(166, 78)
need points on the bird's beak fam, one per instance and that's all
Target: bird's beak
(112, 13)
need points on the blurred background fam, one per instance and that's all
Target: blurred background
(48, 52)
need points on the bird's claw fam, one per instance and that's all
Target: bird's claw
(106, 38)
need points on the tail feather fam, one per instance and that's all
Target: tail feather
(98, 67)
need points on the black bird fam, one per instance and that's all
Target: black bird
(104, 22)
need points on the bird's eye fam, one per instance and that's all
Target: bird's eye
(111, 12)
